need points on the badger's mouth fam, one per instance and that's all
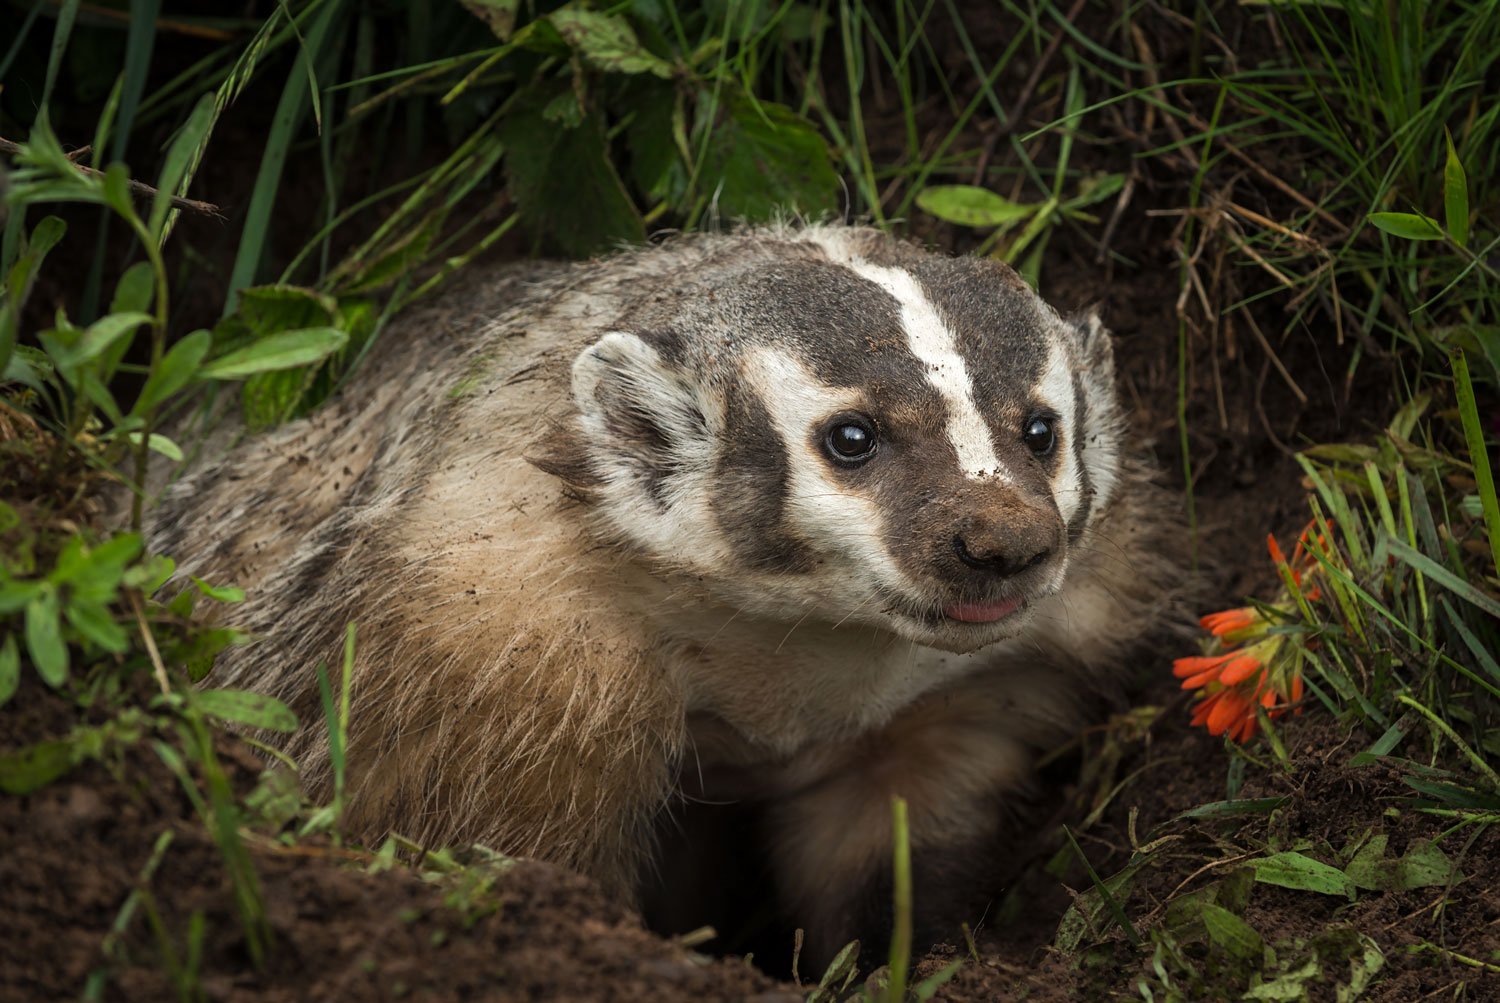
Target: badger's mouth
(954, 615)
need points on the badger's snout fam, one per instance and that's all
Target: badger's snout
(1006, 553)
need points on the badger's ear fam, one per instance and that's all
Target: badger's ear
(1092, 338)
(642, 419)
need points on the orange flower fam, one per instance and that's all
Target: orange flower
(1247, 667)
(1229, 620)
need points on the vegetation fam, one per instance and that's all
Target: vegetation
(1326, 166)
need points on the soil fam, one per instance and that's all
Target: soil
(75, 850)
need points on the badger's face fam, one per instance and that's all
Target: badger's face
(835, 427)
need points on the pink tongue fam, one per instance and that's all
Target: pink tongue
(982, 612)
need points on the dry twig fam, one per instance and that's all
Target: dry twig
(140, 188)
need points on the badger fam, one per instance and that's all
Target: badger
(795, 517)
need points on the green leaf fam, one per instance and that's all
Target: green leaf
(160, 444)
(1455, 196)
(102, 567)
(1294, 870)
(175, 371)
(272, 309)
(656, 163)
(134, 290)
(564, 184)
(15, 595)
(255, 709)
(1405, 224)
(967, 205)
(44, 237)
(607, 42)
(101, 334)
(764, 159)
(93, 621)
(10, 668)
(279, 351)
(1230, 932)
(44, 639)
(35, 766)
(117, 190)
(223, 593)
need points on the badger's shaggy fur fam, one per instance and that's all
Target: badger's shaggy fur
(800, 518)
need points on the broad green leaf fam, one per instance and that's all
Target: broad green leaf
(1290, 986)
(10, 668)
(175, 371)
(15, 595)
(1455, 196)
(1406, 224)
(564, 184)
(44, 237)
(135, 289)
(279, 351)
(763, 159)
(44, 639)
(159, 443)
(1230, 932)
(1295, 870)
(103, 566)
(968, 205)
(198, 653)
(255, 709)
(35, 766)
(271, 309)
(656, 162)
(99, 335)
(93, 621)
(223, 593)
(607, 42)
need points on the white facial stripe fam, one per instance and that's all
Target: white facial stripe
(934, 346)
(816, 506)
(1056, 392)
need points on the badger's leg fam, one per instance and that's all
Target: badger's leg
(959, 761)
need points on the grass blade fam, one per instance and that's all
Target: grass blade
(1478, 455)
(1455, 196)
(66, 15)
(289, 111)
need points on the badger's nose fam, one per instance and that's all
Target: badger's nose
(1006, 555)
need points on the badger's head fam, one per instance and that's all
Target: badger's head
(832, 426)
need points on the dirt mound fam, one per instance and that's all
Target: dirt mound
(76, 850)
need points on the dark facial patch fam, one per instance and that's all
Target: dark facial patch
(750, 487)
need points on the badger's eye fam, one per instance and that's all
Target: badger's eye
(1038, 435)
(851, 437)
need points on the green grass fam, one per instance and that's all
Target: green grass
(1341, 178)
